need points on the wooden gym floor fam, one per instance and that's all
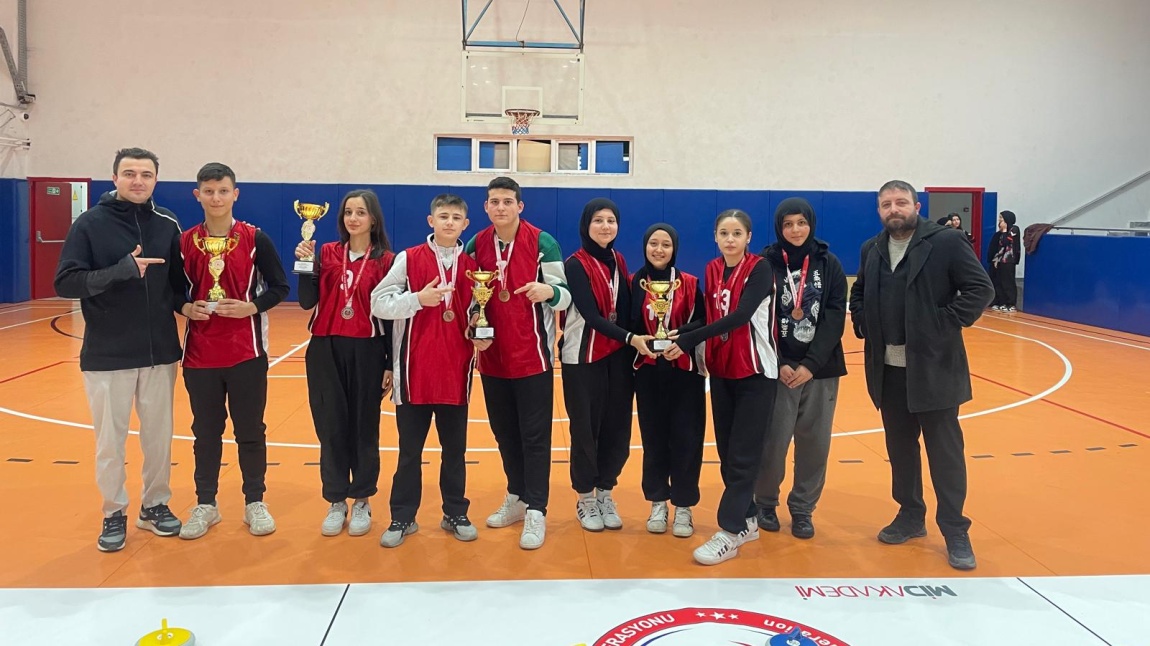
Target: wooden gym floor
(1057, 440)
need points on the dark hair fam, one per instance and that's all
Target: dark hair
(447, 199)
(134, 153)
(505, 183)
(898, 185)
(738, 214)
(214, 172)
(379, 242)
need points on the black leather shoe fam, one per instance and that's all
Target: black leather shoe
(802, 527)
(900, 532)
(959, 553)
(767, 519)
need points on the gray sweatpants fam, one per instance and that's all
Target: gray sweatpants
(806, 414)
(110, 397)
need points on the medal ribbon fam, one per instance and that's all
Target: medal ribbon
(797, 293)
(343, 286)
(442, 273)
(612, 283)
(502, 262)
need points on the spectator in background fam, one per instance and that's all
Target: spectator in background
(1005, 250)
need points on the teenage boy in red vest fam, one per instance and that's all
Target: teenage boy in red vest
(225, 346)
(428, 295)
(516, 366)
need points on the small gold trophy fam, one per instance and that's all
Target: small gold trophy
(216, 247)
(482, 291)
(660, 290)
(310, 213)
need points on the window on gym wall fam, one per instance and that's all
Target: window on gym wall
(532, 154)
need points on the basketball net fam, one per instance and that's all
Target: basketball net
(521, 120)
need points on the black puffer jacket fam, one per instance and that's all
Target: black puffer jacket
(129, 321)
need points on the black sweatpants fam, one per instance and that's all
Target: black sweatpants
(414, 422)
(945, 452)
(598, 397)
(345, 388)
(242, 391)
(1005, 285)
(672, 406)
(521, 411)
(741, 410)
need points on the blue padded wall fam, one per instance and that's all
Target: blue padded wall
(1093, 280)
(15, 242)
(845, 218)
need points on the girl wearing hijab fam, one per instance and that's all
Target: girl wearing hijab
(597, 374)
(811, 311)
(1005, 250)
(669, 395)
(743, 363)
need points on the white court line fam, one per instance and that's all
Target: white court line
(295, 349)
(15, 309)
(1068, 370)
(47, 318)
(1085, 336)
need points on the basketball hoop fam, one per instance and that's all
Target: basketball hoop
(521, 119)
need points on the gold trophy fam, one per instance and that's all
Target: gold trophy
(310, 213)
(482, 291)
(660, 290)
(216, 247)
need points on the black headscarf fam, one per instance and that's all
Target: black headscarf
(603, 255)
(648, 271)
(943, 221)
(795, 255)
(1009, 218)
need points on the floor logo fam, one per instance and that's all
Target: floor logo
(714, 626)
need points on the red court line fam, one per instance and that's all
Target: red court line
(51, 365)
(1065, 407)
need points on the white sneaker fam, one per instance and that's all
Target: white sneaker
(336, 516)
(258, 519)
(395, 534)
(1011, 309)
(723, 546)
(607, 510)
(684, 526)
(202, 518)
(510, 512)
(751, 533)
(587, 508)
(657, 523)
(534, 529)
(360, 519)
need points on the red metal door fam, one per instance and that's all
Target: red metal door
(50, 201)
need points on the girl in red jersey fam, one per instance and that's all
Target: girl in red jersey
(669, 395)
(348, 359)
(598, 383)
(743, 364)
(427, 293)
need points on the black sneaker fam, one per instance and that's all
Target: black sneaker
(460, 527)
(114, 534)
(159, 520)
(767, 519)
(959, 553)
(901, 531)
(801, 526)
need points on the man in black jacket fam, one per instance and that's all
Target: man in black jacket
(122, 260)
(918, 285)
